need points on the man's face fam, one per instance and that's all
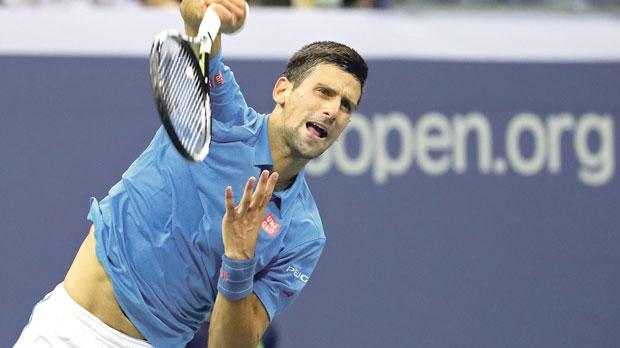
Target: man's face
(317, 111)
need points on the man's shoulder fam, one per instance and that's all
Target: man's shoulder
(246, 127)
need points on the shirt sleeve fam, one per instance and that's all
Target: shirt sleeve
(228, 105)
(281, 282)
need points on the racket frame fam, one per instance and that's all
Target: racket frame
(207, 32)
(185, 42)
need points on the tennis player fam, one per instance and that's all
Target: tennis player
(233, 239)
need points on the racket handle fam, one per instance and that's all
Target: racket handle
(209, 27)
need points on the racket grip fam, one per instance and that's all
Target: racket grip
(209, 27)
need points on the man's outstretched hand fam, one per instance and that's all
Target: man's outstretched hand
(241, 224)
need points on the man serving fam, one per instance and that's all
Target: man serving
(172, 244)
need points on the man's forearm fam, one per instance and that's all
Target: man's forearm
(240, 323)
(237, 324)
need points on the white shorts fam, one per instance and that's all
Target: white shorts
(58, 321)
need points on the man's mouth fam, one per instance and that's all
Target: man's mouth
(316, 129)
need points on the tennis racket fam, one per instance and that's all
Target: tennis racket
(181, 88)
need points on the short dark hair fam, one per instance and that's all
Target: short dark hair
(309, 56)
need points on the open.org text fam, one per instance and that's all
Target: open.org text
(437, 144)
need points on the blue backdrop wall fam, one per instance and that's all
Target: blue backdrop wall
(469, 205)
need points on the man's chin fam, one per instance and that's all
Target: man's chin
(310, 154)
(309, 150)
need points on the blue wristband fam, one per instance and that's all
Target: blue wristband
(236, 278)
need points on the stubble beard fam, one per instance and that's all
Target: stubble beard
(296, 147)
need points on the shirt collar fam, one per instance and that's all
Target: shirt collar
(288, 196)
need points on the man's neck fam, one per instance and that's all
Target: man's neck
(287, 171)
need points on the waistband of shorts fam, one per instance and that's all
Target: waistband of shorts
(99, 327)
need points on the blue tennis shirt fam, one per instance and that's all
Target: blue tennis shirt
(158, 230)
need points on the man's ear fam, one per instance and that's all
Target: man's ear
(281, 90)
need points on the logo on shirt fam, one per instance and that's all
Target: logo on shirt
(297, 274)
(288, 293)
(219, 78)
(270, 225)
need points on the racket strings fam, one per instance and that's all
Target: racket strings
(186, 116)
(184, 96)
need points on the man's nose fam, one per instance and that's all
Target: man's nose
(331, 109)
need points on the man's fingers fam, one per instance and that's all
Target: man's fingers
(271, 184)
(236, 7)
(257, 197)
(273, 180)
(230, 202)
(224, 13)
(266, 189)
(247, 195)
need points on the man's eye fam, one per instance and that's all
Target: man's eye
(346, 104)
(323, 91)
